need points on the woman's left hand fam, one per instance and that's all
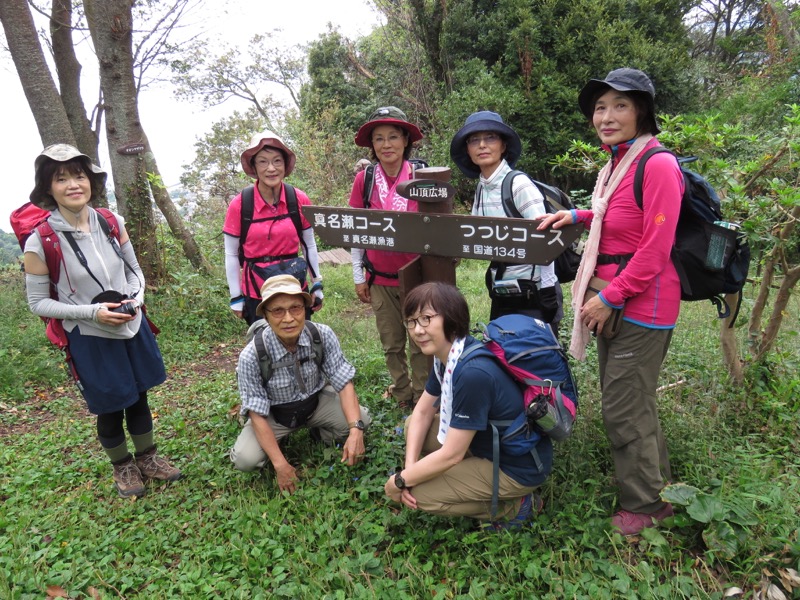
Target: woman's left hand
(594, 314)
(105, 316)
(403, 496)
(317, 304)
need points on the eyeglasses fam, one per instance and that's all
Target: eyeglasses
(486, 138)
(392, 139)
(422, 320)
(295, 310)
(265, 162)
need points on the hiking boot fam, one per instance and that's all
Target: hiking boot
(631, 523)
(128, 479)
(153, 466)
(530, 506)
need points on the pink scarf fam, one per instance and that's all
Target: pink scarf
(388, 198)
(607, 181)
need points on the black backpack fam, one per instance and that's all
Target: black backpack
(711, 259)
(248, 207)
(567, 263)
(369, 177)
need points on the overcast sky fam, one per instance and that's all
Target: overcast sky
(172, 126)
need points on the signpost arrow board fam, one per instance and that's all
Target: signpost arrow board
(486, 238)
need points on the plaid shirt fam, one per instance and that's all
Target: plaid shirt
(283, 387)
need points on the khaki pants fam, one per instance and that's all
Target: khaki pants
(465, 490)
(629, 368)
(394, 336)
(247, 454)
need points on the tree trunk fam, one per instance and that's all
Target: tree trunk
(730, 346)
(190, 248)
(69, 78)
(110, 24)
(34, 74)
(779, 311)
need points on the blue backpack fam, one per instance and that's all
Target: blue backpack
(527, 350)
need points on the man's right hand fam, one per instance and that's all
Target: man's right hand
(287, 478)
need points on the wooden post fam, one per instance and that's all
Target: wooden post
(424, 267)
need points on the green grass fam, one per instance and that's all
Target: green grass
(221, 533)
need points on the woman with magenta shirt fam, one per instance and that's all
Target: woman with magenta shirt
(390, 138)
(629, 247)
(272, 241)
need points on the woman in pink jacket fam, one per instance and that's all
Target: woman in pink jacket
(629, 249)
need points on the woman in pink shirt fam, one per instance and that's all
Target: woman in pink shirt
(267, 243)
(629, 248)
(389, 136)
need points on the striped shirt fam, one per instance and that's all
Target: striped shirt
(529, 202)
(284, 385)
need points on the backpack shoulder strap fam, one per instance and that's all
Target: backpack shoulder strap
(246, 215)
(108, 223)
(638, 178)
(52, 254)
(369, 182)
(293, 208)
(264, 358)
(507, 195)
(317, 347)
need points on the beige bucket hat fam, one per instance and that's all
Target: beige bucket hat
(280, 284)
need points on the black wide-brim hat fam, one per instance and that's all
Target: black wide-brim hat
(622, 80)
(483, 120)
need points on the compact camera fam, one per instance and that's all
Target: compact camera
(128, 308)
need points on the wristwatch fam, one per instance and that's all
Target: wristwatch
(399, 482)
(357, 424)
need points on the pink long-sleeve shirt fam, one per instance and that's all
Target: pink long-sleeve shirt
(649, 286)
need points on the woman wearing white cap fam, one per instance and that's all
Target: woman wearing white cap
(264, 228)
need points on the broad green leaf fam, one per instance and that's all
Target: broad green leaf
(706, 509)
(679, 493)
(721, 539)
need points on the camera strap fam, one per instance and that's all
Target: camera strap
(81, 257)
(111, 240)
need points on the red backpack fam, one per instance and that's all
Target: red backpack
(29, 218)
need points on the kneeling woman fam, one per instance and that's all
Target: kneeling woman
(448, 467)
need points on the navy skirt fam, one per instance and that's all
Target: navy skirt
(112, 373)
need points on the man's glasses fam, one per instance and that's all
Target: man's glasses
(295, 310)
(487, 138)
(423, 320)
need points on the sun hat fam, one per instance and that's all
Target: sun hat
(40, 195)
(280, 284)
(484, 120)
(622, 80)
(266, 139)
(386, 115)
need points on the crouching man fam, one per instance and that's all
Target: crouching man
(307, 382)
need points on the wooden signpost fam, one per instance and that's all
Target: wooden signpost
(437, 235)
